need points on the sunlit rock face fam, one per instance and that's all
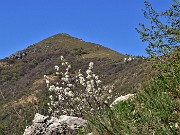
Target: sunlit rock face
(45, 125)
(122, 98)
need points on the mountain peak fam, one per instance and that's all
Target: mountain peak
(62, 43)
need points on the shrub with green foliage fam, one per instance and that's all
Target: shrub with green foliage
(163, 33)
(155, 109)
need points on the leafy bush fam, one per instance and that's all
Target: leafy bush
(155, 110)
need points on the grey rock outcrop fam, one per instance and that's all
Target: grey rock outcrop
(46, 125)
(18, 55)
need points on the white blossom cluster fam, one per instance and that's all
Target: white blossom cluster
(75, 94)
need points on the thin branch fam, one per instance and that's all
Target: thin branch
(2, 94)
(16, 112)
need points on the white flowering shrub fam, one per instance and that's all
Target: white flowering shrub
(76, 94)
(71, 94)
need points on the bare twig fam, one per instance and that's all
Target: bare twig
(16, 112)
(2, 94)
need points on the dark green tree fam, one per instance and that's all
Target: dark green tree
(163, 33)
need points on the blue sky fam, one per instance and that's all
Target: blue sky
(110, 23)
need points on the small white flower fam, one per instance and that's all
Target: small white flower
(62, 58)
(88, 71)
(57, 83)
(110, 91)
(47, 81)
(98, 81)
(66, 76)
(99, 89)
(70, 93)
(77, 80)
(60, 97)
(91, 65)
(61, 73)
(83, 84)
(88, 83)
(92, 83)
(81, 78)
(56, 67)
(88, 77)
(57, 73)
(96, 77)
(49, 110)
(57, 89)
(51, 97)
(66, 93)
(106, 102)
(109, 97)
(52, 88)
(66, 73)
(66, 89)
(69, 85)
(77, 99)
(80, 75)
(66, 79)
(92, 109)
